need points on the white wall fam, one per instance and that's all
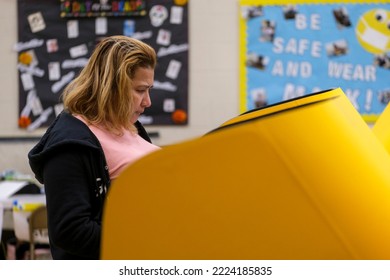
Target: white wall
(213, 70)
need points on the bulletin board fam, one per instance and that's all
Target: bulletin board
(287, 51)
(56, 38)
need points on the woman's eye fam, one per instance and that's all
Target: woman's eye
(144, 90)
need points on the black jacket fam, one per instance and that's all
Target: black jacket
(69, 161)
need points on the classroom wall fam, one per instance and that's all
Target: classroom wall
(213, 77)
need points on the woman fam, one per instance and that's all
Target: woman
(92, 141)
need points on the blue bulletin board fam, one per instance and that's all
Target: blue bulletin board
(300, 48)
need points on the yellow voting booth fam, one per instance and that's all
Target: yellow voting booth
(302, 179)
(381, 128)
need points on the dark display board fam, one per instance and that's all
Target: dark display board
(53, 48)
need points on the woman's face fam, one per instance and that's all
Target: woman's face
(141, 85)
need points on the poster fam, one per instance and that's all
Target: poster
(289, 50)
(52, 49)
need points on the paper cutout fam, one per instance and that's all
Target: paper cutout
(179, 116)
(27, 81)
(28, 58)
(143, 35)
(382, 60)
(79, 50)
(168, 86)
(54, 71)
(173, 69)
(164, 37)
(29, 101)
(176, 15)
(73, 28)
(34, 43)
(169, 105)
(267, 31)
(52, 45)
(36, 21)
(172, 49)
(41, 119)
(290, 11)
(36, 106)
(24, 121)
(33, 104)
(75, 63)
(337, 48)
(56, 87)
(158, 14)
(259, 97)
(101, 25)
(31, 69)
(146, 119)
(373, 30)
(28, 64)
(248, 12)
(128, 27)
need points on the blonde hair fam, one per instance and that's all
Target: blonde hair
(101, 92)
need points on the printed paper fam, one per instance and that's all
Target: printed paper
(164, 37)
(128, 27)
(36, 21)
(52, 45)
(54, 71)
(101, 25)
(79, 50)
(27, 81)
(169, 105)
(176, 15)
(173, 69)
(73, 28)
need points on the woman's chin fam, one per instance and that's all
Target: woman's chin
(134, 119)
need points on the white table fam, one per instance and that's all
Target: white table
(7, 198)
(7, 190)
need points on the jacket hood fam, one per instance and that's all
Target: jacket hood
(65, 130)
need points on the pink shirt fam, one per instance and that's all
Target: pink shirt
(120, 151)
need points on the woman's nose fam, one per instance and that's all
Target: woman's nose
(147, 102)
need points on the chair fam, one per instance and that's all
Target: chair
(37, 229)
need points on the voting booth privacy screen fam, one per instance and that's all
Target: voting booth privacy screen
(302, 179)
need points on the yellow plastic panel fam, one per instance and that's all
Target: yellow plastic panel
(381, 128)
(305, 179)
